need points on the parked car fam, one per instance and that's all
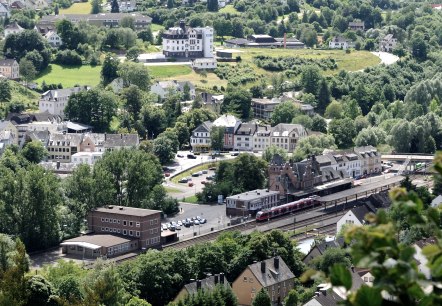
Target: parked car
(180, 223)
(196, 222)
(164, 226)
(204, 171)
(195, 174)
(212, 168)
(202, 221)
(172, 228)
(210, 177)
(167, 174)
(203, 182)
(190, 184)
(178, 227)
(186, 224)
(183, 180)
(191, 156)
(180, 155)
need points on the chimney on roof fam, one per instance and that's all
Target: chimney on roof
(216, 279)
(276, 262)
(198, 284)
(183, 25)
(324, 291)
(263, 266)
(221, 278)
(317, 293)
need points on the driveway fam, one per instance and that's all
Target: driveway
(386, 58)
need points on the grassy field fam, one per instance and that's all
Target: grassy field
(70, 76)
(156, 27)
(78, 8)
(172, 189)
(189, 172)
(23, 95)
(229, 9)
(169, 71)
(191, 199)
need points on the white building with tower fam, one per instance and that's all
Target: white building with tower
(188, 42)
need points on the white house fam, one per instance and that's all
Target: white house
(200, 139)
(286, 136)
(4, 11)
(243, 137)
(388, 43)
(261, 139)
(9, 68)
(54, 101)
(8, 133)
(204, 63)
(230, 124)
(53, 39)
(437, 201)
(356, 217)
(339, 42)
(188, 42)
(88, 158)
(421, 258)
(13, 28)
(162, 88)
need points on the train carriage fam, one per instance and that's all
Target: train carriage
(287, 208)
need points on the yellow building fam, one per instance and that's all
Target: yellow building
(272, 274)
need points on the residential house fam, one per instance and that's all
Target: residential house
(13, 28)
(243, 137)
(370, 159)
(123, 6)
(54, 101)
(356, 25)
(263, 108)
(4, 12)
(116, 230)
(250, 202)
(286, 136)
(272, 275)
(348, 163)
(62, 146)
(45, 27)
(319, 249)
(120, 141)
(388, 43)
(163, 88)
(212, 102)
(17, 5)
(36, 4)
(420, 258)
(53, 39)
(207, 284)
(339, 42)
(9, 68)
(108, 20)
(230, 123)
(261, 139)
(188, 42)
(437, 201)
(355, 216)
(200, 139)
(88, 158)
(9, 132)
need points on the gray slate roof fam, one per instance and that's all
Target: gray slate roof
(272, 275)
(246, 129)
(361, 211)
(7, 62)
(121, 140)
(204, 127)
(206, 284)
(127, 211)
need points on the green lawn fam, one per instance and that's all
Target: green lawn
(172, 189)
(169, 71)
(70, 76)
(191, 199)
(229, 9)
(78, 8)
(156, 27)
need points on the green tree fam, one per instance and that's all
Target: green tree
(27, 70)
(237, 101)
(311, 79)
(331, 257)
(212, 5)
(164, 149)
(217, 138)
(109, 70)
(135, 74)
(319, 124)
(170, 4)
(69, 34)
(262, 299)
(115, 8)
(5, 90)
(419, 46)
(284, 113)
(56, 10)
(94, 107)
(292, 298)
(34, 152)
(343, 130)
(128, 22)
(134, 301)
(146, 35)
(323, 96)
(334, 110)
(96, 7)
(313, 144)
(371, 136)
(39, 290)
(133, 53)
(271, 151)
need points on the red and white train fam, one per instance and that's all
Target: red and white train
(280, 210)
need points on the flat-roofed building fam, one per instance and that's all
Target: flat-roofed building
(249, 203)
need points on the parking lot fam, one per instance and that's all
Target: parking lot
(214, 214)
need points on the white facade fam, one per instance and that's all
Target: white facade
(200, 139)
(162, 88)
(243, 143)
(13, 28)
(54, 101)
(88, 158)
(348, 219)
(286, 136)
(388, 43)
(188, 42)
(204, 63)
(53, 39)
(339, 43)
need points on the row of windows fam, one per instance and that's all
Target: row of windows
(119, 231)
(59, 157)
(153, 240)
(125, 222)
(59, 150)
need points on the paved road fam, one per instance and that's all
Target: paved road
(386, 58)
